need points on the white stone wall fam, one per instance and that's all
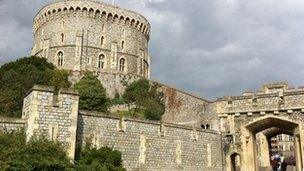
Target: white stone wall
(147, 145)
(11, 124)
(54, 117)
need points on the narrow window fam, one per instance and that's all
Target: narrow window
(101, 61)
(122, 64)
(122, 45)
(62, 37)
(207, 126)
(60, 59)
(203, 126)
(101, 40)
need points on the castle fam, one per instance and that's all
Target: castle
(230, 133)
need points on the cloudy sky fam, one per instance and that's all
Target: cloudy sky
(211, 48)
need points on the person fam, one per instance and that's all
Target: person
(284, 165)
(274, 164)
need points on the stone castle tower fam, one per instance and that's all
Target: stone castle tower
(84, 35)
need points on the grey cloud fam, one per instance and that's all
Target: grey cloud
(211, 48)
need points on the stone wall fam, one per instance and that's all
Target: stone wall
(274, 99)
(147, 145)
(92, 36)
(181, 107)
(187, 109)
(11, 124)
(52, 116)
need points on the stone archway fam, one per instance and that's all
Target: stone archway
(234, 162)
(269, 126)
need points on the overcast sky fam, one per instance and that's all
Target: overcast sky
(207, 47)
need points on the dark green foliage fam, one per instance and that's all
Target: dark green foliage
(37, 154)
(154, 105)
(92, 93)
(154, 109)
(18, 77)
(137, 91)
(146, 99)
(116, 101)
(42, 154)
(60, 79)
(103, 159)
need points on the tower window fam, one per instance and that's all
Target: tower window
(101, 61)
(122, 64)
(101, 40)
(60, 58)
(207, 126)
(62, 37)
(122, 45)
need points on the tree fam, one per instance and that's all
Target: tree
(60, 79)
(146, 98)
(92, 93)
(37, 154)
(18, 77)
(102, 159)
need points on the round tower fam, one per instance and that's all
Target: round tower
(84, 35)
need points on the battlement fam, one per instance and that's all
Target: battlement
(44, 95)
(268, 90)
(94, 10)
(273, 98)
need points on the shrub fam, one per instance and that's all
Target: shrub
(37, 154)
(92, 93)
(104, 158)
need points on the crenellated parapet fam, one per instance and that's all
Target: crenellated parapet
(93, 10)
(273, 98)
(52, 116)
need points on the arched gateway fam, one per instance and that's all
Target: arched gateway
(248, 122)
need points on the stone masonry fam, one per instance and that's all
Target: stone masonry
(148, 145)
(53, 116)
(254, 118)
(145, 145)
